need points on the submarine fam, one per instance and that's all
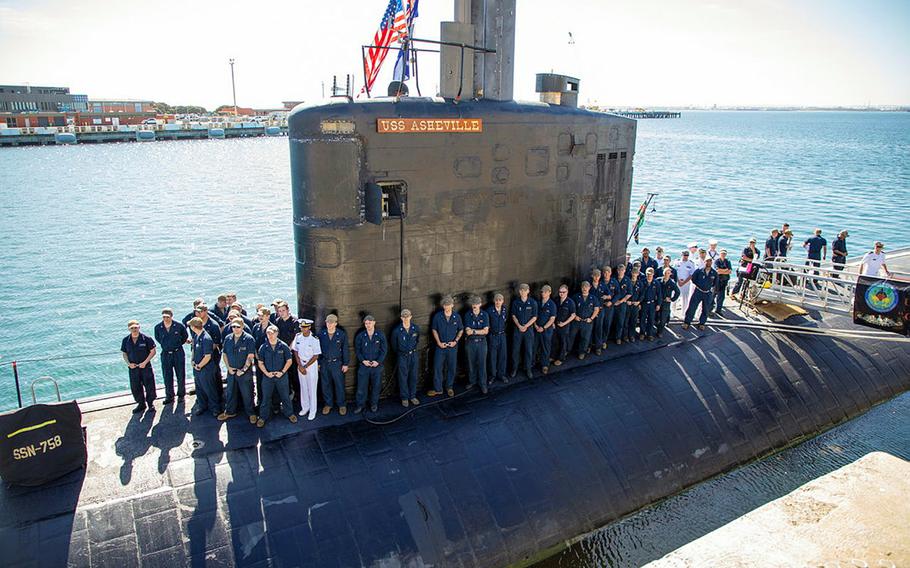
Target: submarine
(400, 200)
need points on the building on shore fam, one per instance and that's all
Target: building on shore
(26, 98)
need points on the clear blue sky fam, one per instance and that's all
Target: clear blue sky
(643, 53)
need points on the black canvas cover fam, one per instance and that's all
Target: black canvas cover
(882, 304)
(40, 443)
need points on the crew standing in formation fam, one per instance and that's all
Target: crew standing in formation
(280, 358)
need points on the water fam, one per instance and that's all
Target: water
(658, 530)
(94, 236)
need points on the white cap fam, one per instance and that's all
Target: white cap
(693, 244)
(712, 242)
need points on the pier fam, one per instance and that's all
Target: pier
(647, 114)
(58, 135)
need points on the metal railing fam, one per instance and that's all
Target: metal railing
(820, 287)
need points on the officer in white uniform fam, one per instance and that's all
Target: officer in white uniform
(874, 261)
(684, 270)
(306, 349)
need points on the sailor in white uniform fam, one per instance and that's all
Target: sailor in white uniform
(713, 253)
(306, 349)
(684, 270)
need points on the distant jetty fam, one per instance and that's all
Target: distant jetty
(58, 135)
(647, 113)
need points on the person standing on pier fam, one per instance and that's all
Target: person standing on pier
(446, 328)
(839, 252)
(306, 351)
(275, 359)
(333, 343)
(499, 316)
(669, 293)
(476, 328)
(705, 282)
(633, 312)
(287, 330)
(405, 338)
(208, 397)
(608, 289)
(171, 336)
(650, 303)
(724, 269)
(545, 327)
(524, 315)
(239, 355)
(371, 348)
(138, 350)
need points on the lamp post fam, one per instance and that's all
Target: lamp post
(233, 87)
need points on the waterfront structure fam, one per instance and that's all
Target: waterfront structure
(121, 106)
(26, 98)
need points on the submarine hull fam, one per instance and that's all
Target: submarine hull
(471, 198)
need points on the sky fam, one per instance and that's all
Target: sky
(647, 53)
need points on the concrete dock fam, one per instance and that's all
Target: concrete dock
(53, 135)
(858, 515)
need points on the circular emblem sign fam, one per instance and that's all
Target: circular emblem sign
(881, 297)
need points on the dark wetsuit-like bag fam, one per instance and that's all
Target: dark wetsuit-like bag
(40, 443)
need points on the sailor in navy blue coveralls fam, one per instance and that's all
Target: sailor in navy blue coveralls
(239, 357)
(171, 336)
(650, 299)
(405, 337)
(705, 281)
(447, 329)
(275, 358)
(545, 326)
(607, 291)
(669, 293)
(587, 305)
(524, 314)
(499, 315)
(204, 363)
(138, 351)
(565, 316)
(476, 328)
(621, 303)
(333, 364)
(371, 348)
(633, 312)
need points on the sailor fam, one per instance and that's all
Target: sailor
(275, 359)
(208, 395)
(646, 261)
(669, 293)
(171, 335)
(621, 304)
(524, 315)
(628, 264)
(260, 336)
(237, 307)
(371, 348)
(839, 252)
(659, 255)
(239, 357)
(221, 308)
(668, 263)
(476, 328)
(724, 269)
(749, 255)
(405, 337)
(545, 327)
(712, 252)
(565, 315)
(232, 302)
(700, 259)
(499, 315)
(235, 315)
(607, 291)
(650, 303)
(306, 351)
(874, 262)
(784, 242)
(693, 250)
(446, 329)
(816, 251)
(597, 287)
(333, 364)
(633, 312)
(587, 305)
(138, 350)
(287, 330)
(684, 270)
(186, 319)
(771, 245)
(705, 282)
(275, 303)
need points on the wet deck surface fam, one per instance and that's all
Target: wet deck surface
(473, 481)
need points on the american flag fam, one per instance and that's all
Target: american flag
(392, 28)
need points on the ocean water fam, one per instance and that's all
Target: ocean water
(95, 235)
